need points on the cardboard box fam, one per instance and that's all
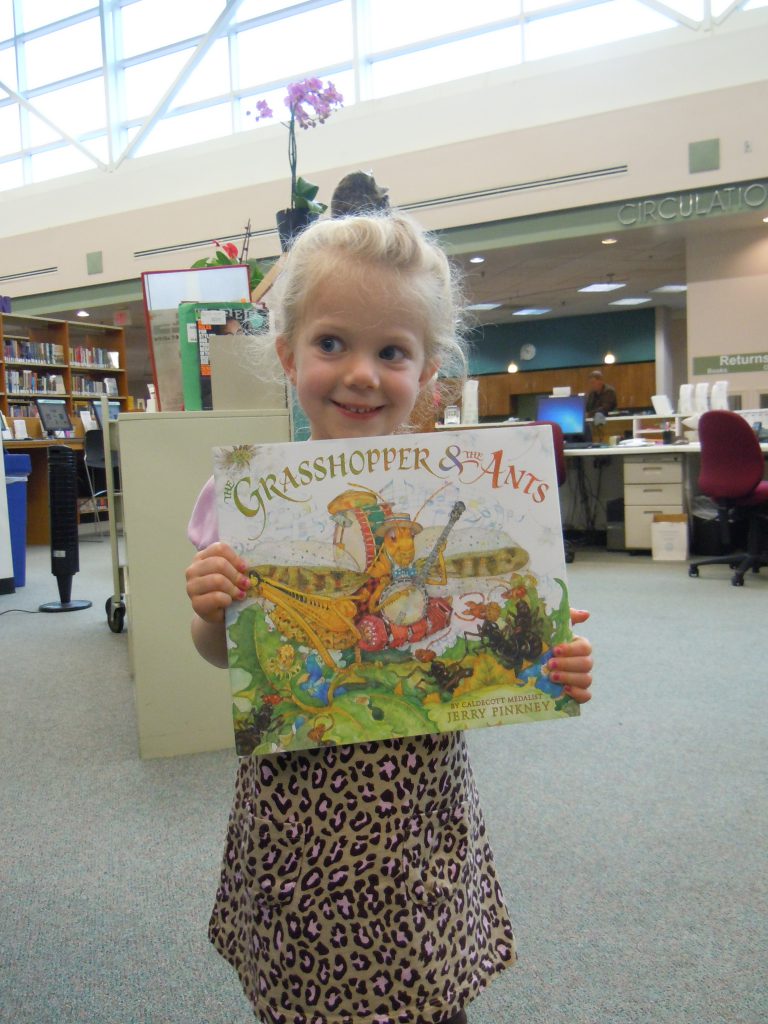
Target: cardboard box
(669, 537)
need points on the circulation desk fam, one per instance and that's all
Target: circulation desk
(38, 512)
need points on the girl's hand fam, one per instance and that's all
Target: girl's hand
(214, 580)
(571, 664)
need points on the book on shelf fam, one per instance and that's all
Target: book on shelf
(21, 350)
(398, 586)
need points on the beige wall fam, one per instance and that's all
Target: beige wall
(728, 303)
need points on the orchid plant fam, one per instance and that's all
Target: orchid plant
(310, 104)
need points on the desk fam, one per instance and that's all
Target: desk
(651, 479)
(38, 513)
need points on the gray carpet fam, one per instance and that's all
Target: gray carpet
(630, 843)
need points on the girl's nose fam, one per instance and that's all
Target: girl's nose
(361, 372)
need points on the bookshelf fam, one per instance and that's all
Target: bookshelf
(66, 359)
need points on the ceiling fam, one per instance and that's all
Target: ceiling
(545, 274)
(548, 275)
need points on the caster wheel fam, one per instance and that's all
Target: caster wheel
(115, 615)
(737, 581)
(569, 557)
(693, 571)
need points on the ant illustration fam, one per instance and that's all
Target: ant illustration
(447, 677)
(513, 641)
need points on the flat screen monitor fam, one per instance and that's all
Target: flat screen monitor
(113, 410)
(53, 415)
(570, 413)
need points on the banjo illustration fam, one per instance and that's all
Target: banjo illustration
(404, 600)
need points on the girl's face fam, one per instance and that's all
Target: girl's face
(357, 360)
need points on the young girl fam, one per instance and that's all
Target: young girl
(358, 886)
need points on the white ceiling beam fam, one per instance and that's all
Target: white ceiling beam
(25, 103)
(202, 48)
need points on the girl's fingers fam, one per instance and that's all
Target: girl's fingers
(215, 579)
(578, 615)
(571, 666)
(579, 647)
(211, 607)
(216, 571)
(577, 665)
(580, 695)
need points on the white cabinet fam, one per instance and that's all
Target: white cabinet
(653, 484)
(183, 704)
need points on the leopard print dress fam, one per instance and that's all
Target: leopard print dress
(358, 885)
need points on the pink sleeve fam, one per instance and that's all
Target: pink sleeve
(203, 526)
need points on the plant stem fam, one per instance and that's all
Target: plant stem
(292, 153)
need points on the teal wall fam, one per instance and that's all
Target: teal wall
(567, 341)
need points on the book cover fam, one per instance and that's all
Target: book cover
(197, 323)
(399, 586)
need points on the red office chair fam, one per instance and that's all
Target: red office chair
(732, 467)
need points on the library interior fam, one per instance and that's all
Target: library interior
(601, 195)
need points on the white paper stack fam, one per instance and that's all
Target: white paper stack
(469, 402)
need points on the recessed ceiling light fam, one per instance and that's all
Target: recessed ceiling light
(610, 241)
(602, 287)
(765, 220)
(628, 302)
(532, 311)
(477, 259)
(671, 288)
(485, 305)
(83, 312)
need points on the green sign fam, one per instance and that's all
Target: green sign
(743, 362)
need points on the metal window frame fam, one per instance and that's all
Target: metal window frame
(117, 129)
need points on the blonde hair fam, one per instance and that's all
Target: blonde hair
(393, 241)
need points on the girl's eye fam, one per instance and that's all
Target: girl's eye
(392, 354)
(329, 345)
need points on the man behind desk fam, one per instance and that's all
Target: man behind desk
(601, 397)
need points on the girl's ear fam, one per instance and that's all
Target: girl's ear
(428, 373)
(286, 357)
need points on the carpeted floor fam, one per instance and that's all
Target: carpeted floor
(630, 842)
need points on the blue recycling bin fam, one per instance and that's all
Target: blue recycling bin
(17, 470)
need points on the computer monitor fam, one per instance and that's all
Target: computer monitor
(53, 415)
(113, 411)
(570, 413)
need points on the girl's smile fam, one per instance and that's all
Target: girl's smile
(357, 359)
(358, 412)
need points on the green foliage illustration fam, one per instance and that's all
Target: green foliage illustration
(289, 698)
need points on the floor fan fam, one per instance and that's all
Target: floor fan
(65, 550)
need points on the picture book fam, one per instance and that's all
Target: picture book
(399, 586)
(198, 323)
